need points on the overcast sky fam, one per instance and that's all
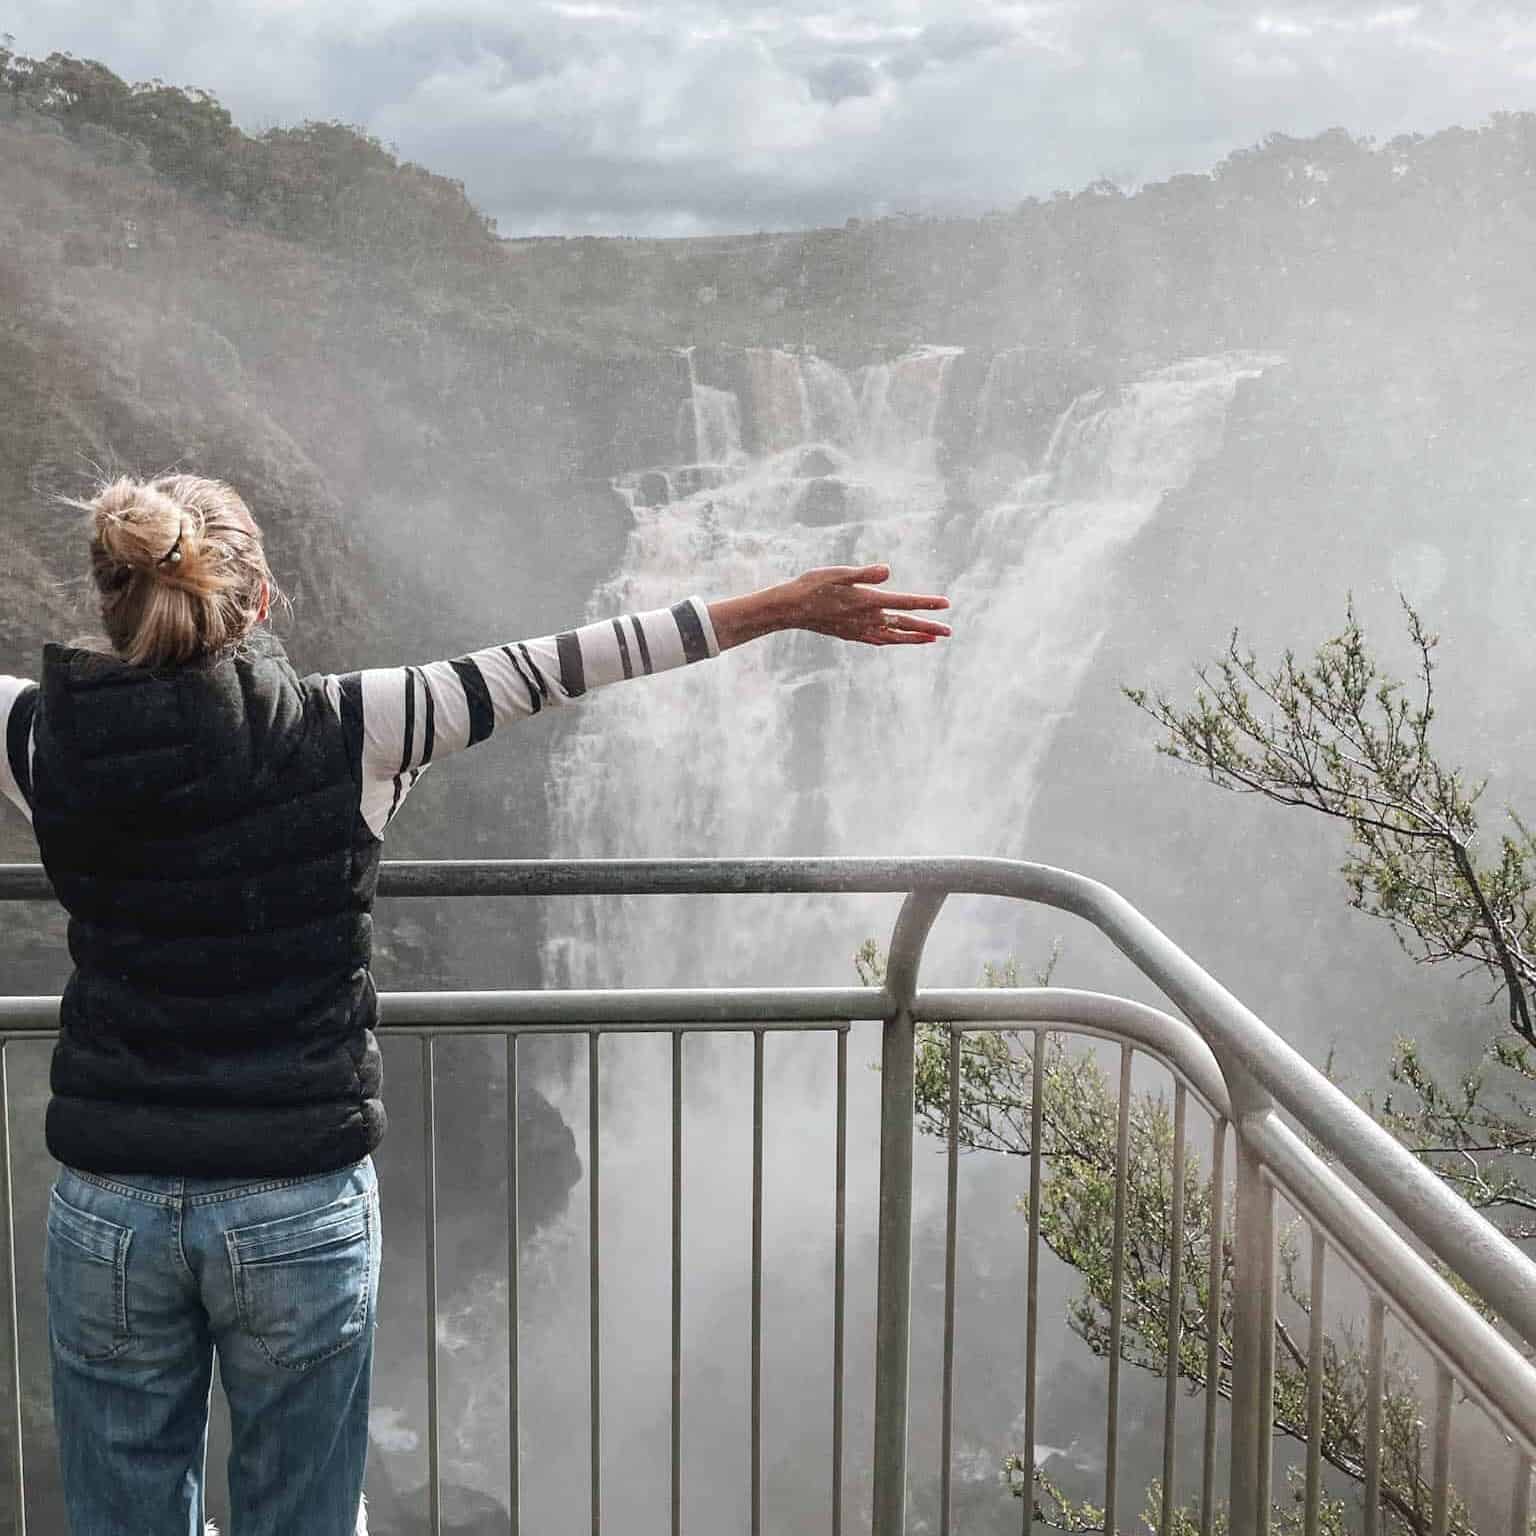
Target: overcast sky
(679, 117)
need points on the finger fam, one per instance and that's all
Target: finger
(898, 637)
(917, 626)
(852, 573)
(894, 630)
(909, 599)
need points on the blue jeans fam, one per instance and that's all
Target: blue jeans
(147, 1275)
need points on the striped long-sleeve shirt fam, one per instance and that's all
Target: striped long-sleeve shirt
(415, 716)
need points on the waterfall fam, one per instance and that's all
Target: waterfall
(716, 419)
(1003, 369)
(988, 392)
(899, 405)
(781, 400)
(834, 411)
(797, 745)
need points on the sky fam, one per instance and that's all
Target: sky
(690, 117)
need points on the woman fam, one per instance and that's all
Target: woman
(212, 822)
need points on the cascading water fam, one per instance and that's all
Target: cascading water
(780, 396)
(1005, 369)
(798, 744)
(898, 410)
(834, 409)
(801, 745)
(715, 416)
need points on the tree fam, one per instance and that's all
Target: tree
(324, 182)
(1079, 1122)
(1343, 739)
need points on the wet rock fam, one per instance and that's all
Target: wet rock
(823, 501)
(692, 478)
(653, 489)
(550, 1164)
(628, 406)
(808, 706)
(1007, 403)
(816, 461)
(845, 546)
(466, 1511)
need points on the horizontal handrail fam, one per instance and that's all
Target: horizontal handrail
(1172, 1041)
(642, 1010)
(566, 1010)
(1482, 1255)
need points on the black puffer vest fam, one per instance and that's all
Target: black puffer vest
(201, 826)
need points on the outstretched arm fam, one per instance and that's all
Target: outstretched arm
(18, 699)
(403, 719)
(830, 600)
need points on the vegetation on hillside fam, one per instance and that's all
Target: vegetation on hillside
(1288, 236)
(324, 182)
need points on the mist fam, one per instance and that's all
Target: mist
(1111, 427)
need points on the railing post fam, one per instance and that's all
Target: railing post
(1253, 1322)
(894, 1275)
(13, 1330)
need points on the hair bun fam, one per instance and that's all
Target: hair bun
(179, 566)
(138, 525)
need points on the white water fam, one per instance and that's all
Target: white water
(716, 419)
(799, 745)
(1004, 368)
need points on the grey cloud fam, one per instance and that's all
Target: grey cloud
(947, 42)
(906, 63)
(720, 115)
(950, 40)
(842, 77)
(369, 70)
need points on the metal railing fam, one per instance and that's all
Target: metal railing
(1371, 1204)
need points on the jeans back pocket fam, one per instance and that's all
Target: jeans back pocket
(86, 1278)
(304, 1283)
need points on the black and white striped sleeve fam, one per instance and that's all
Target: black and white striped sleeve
(402, 719)
(18, 702)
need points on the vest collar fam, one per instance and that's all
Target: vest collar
(83, 667)
(117, 736)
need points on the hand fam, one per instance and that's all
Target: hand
(830, 601)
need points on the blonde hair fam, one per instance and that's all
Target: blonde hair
(178, 565)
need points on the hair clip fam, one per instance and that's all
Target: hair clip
(172, 556)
